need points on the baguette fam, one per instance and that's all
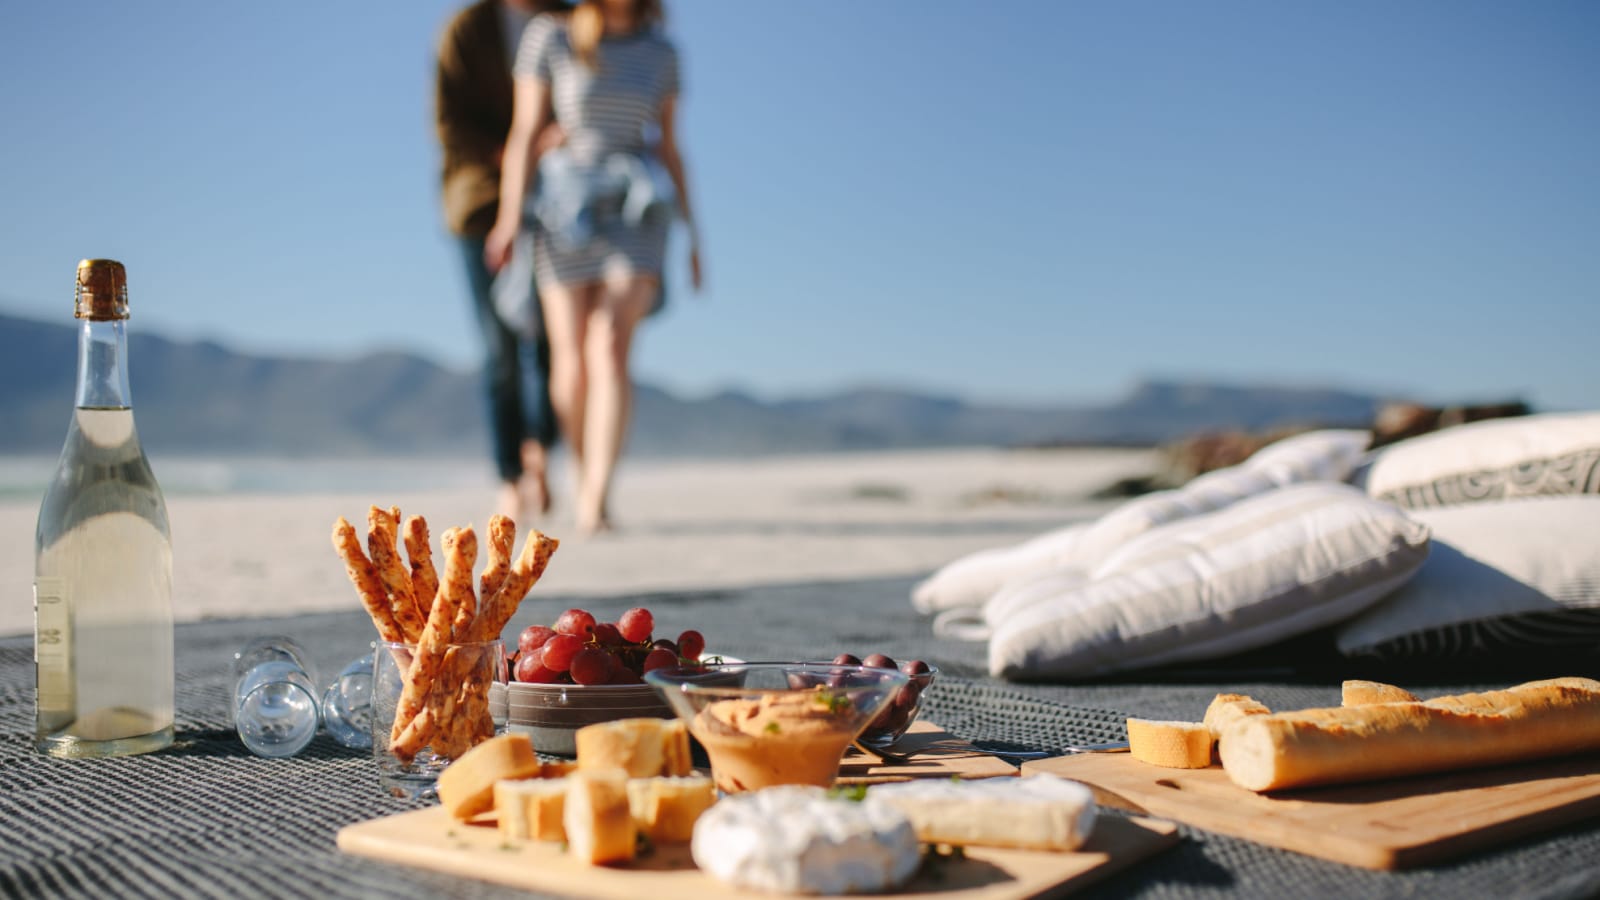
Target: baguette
(1390, 740)
(1366, 693)
(1227, 708)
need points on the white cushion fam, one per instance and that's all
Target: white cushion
(1556, 453)
(1266, 568)
(971, 580)
(1327, 455)
(1501, 574)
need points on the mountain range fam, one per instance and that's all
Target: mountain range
(204, 398)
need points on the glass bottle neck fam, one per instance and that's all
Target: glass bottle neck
(103, 365)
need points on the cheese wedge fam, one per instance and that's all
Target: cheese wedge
(466, 786)
(531, 809)
(1175, 745)
(1366, 693)
(644, 748)
(1226, 708)
(596, 818)
(665, 809)
(1040, 812)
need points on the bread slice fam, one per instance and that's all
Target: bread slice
(596, 818)
(1175, 745)
(644, 748)
(1227, 708)
(665, 809)
(1366, 693)
(531, 809)
(1389, 740)
(466, 786)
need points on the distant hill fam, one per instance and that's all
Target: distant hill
(200, 397)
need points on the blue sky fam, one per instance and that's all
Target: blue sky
(1026, 201)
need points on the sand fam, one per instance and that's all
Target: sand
(683, 525)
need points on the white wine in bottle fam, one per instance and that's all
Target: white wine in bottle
(102, 589)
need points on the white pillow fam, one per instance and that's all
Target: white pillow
(1264, 569)
(1209, 492)
(1327, 455)
(1490, 460)
(971, 580)
(1509, 574)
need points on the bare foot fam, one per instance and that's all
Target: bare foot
(593, 524)
(509, 501)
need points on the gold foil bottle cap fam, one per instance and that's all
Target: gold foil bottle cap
(102, 290)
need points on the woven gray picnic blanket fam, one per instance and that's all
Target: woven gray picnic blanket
(207, 819)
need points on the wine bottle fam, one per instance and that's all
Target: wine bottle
(103, 558)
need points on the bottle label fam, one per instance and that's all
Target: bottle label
(52, 647)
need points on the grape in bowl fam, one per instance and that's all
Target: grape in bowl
(890, 725)
(580, 671)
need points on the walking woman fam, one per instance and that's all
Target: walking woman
(610, 77)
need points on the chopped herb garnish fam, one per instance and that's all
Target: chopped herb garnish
(852, 792)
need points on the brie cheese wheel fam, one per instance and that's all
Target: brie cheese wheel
(1040, 812)
(797, 840)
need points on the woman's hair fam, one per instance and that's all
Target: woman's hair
(589, 23)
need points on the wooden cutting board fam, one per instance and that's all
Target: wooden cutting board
(1378, 825)
(936, 754)
(429, 838)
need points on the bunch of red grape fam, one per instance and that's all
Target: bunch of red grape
(579, 650)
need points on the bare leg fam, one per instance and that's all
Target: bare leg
(608, 339)
(566, 321)
(533, 489)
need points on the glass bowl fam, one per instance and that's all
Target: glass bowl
(771, 723)
(891, 724)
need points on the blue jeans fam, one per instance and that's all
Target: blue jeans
(516, 373)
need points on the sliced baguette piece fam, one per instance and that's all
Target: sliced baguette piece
(644, 748)
(1175, 745)
(665, 809)
(1227, 708)
(596, 818)
(1390, 740)
(531, 809)
(1366, 693)
(466, 786)
(1040, 812)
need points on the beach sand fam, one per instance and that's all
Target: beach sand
(683, 525)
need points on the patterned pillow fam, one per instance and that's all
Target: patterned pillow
(1514, 576)
(1497, 459)
(1266, 568)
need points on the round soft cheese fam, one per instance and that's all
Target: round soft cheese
(797, 840)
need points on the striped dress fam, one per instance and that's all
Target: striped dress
(604, 111)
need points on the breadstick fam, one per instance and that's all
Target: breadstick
(382, 543)
(424, 580)
(502, 539)
(1388, 740)
(364, 575)
(529, 567)
(461, 552)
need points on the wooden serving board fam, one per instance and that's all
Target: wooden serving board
(1378, 825)
(429, 838)
(936, 754)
